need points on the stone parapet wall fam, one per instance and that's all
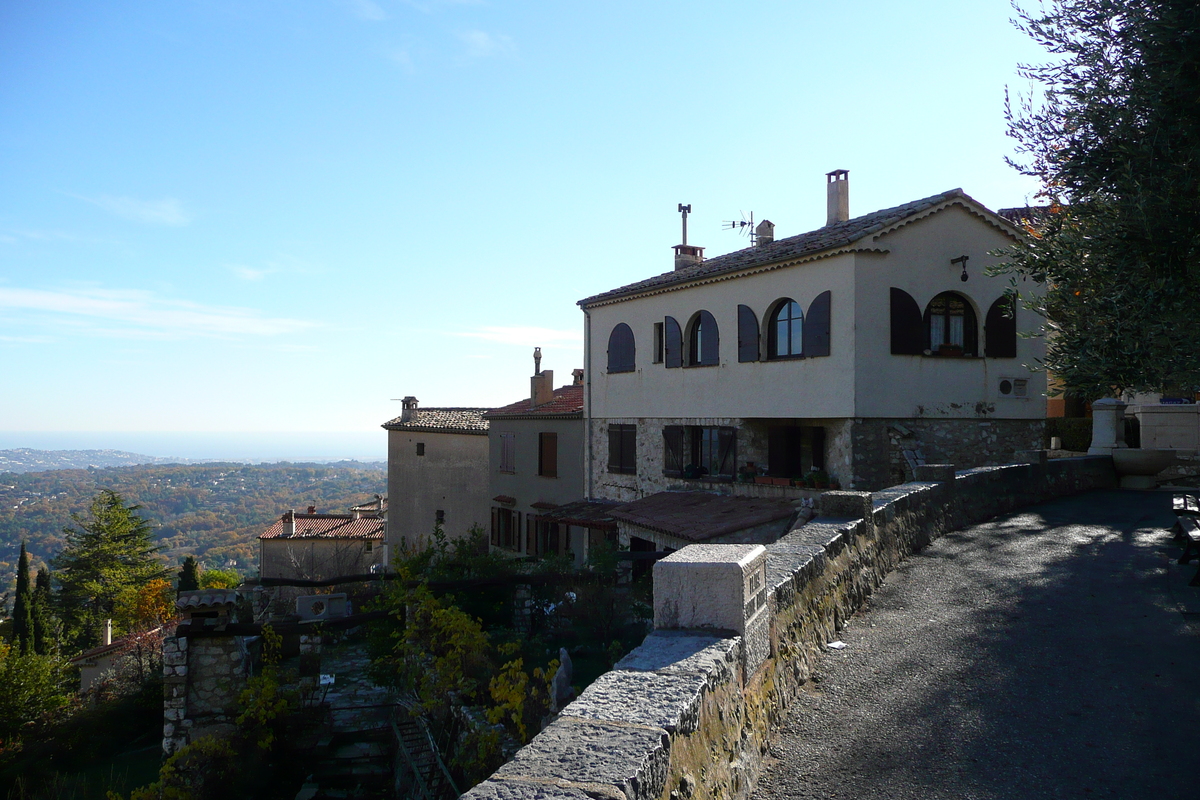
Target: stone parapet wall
(688, 715)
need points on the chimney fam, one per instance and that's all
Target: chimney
(541, 388)
(838, 196)
(764, 233)
(289, 523)
(107, 631)
(409, 405)
(311, 510)
(687, 254)
(577, 377)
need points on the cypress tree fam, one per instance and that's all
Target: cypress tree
(23, 605)
(189, 575)
(41, 612)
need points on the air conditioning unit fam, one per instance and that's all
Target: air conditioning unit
(1014, 387)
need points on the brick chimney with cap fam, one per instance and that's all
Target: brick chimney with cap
(289, 523)
(764, 233)
(687, 254)
(541, 385)
(577, 377)
(837, 192)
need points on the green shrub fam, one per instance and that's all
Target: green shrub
(1076, 432)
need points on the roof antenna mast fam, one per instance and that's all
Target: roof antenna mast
(745, 226)
(685, 210)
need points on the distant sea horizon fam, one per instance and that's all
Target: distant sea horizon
(213, 445)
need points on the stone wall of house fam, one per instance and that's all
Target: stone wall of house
(688, 715)
(878, 445)
(202, 678)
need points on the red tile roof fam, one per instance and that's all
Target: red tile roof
(329, 526)
(567, 402)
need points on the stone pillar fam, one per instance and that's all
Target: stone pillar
(1108, 426)
(847, 505)
(718, 587)
(175, 690)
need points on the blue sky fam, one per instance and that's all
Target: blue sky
(278, 216)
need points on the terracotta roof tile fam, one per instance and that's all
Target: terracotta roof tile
(329, 526)
(830, 237)
(567, 402)
(442, 420)
(584, 513)
(699, 516)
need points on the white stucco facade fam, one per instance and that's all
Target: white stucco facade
(858, 382)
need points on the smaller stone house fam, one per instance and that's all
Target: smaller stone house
(315, 546)
(535, 466)
(94, 664)
(437, 473)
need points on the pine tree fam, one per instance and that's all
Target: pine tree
(42, 615)
(22, 630)
(189, 575)
(108, 551)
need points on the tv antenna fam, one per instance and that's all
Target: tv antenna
(743, 226)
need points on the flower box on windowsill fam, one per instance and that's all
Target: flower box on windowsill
(950, 351)
(769, 481)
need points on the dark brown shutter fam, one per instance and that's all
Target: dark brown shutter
(673, 449)
(548, 455)
(909, 331)
(816, 326)
(530, 537)
(495, 529)
(614, 448)
(818, 448)
(629, 449)
(970, 330)
(747, 334)
(621, 349)
(674, 343)
(726, 451)
(1000, 330)
(710, 343)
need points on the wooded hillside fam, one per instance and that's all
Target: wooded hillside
(212, 511)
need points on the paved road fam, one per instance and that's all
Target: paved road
(1052, 653)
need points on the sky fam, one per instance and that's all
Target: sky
(276, 218)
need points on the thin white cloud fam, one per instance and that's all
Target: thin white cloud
(167, 211)
(367, 9)
(481, 44)
(429, 6)
(250, 273)
(524, 335)
(142, 314)
(401, 58)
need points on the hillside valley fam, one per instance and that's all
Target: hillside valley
(213, 511)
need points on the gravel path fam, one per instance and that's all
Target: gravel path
(1051, 653)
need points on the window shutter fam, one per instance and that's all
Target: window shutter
(710, 344)
(727, 456)
(673, 449)
(818, 448)
(629, 449)
(548, 455)
(621, 349)
(674, 343)
(495, 529)
(816, 326)
(747, 334)
(1000, 330)
(530, 537)
(970, 330)
(614, 448)
(909, 332)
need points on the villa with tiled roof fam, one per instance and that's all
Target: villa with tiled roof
(535, 465)
(313, 546)
(857, 349)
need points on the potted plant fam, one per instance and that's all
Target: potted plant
(820, 478)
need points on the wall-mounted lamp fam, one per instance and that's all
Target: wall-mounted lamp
(961, 260)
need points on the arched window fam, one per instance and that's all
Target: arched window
(704, 341)
(785, 331)
(621, 349)
(950, 325)
(1000, 330)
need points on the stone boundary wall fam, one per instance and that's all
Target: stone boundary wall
(689, 713)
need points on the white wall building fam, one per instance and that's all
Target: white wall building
(858, 347)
